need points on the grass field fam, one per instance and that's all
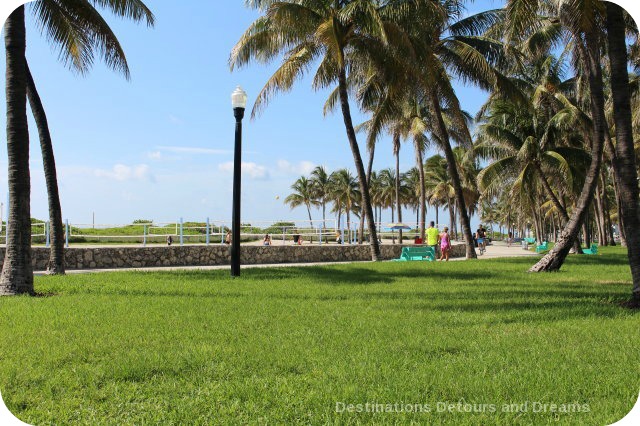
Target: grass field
(295, 345)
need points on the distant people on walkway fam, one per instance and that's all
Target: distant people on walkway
(297, 238)
(481, 236)
(169, 240)
(267, 240)
(338, 237)
(227, 238)
(433, 236)
(445, 244)
(510, 239)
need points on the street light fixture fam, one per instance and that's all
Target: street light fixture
(238, 102)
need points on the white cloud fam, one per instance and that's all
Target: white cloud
(122, 173)
(155, 155)
(193, 150)
(253, 170)
(301, 168)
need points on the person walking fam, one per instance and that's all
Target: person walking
(445, 244)
(433, 237)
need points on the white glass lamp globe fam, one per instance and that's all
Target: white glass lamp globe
(239, 98)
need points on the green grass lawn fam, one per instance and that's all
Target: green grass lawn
(287, 345)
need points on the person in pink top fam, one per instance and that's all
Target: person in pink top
(445, 244)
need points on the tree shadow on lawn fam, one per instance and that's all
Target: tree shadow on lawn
(540, 302)
(488, 285)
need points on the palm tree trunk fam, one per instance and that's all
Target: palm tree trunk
(56, 254)
(607, 217)
(550, 193)
(423, 193)
(585, 230)
(553, 260)
(353, 143)
(611, 150)
(372, 150)
(17, 271)
(625, 158)
(599, 214)
(396, 153)
(309, 213)
(455, 177)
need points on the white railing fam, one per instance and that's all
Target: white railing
(207, 232)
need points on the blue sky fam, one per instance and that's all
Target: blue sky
(161, 145)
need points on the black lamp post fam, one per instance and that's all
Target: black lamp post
(238, 102)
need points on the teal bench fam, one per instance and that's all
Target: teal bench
(417, 253)
(542, 247)
(530, 240)
(592, 250)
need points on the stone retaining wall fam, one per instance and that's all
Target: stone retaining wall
(215, 254)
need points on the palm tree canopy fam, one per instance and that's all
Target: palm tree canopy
(79, 32)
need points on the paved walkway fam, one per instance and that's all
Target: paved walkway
(498, 249)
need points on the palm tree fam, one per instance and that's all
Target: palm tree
(345, 193)
(411, 181)
(388, 195)
(580, 23)
(627, 177)
(321, 187)
(79, 31)
(56, 253)
(303, 195)
(17, 272)
(523, 148)
(340, 35)
(439, 45)
(439, 188)
(375, 189)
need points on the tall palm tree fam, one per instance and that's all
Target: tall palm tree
(56, 253)
(580, 22)
(411, 181)
(17, 272)
(375, 189)
(345, 193)
(321, 187)
(439, 188)
(522, 147)
(441, 44)
(625, 158)
(303, 195)
(338, 34)
(78, 31)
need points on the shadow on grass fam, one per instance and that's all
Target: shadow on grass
(486, 286)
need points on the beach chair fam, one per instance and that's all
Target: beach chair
(542, 247)
(526, 242)
(417, 253)
(592, 250)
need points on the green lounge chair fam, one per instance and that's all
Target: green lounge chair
(417, 253)
(592, 250)
(542, 247)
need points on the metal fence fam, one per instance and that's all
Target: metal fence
(207, 232)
